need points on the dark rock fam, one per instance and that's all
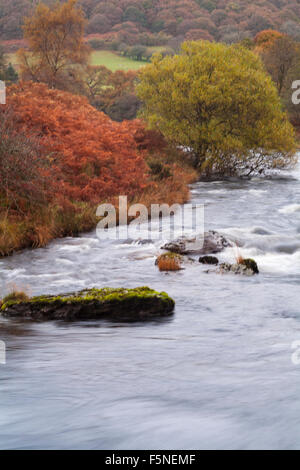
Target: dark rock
(213, 242)
(251, 264)
(208, 260)
(239, 268)
(114, 304)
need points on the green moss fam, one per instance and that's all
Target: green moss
(169, 255)
(15, 297)
(105, 295)
(251, 264)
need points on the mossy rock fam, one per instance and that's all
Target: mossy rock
(244, 268)
(137, 304)
(169, 255)
(251, 264)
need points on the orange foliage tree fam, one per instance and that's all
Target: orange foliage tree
(266, 39)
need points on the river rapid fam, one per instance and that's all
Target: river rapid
(219, 374)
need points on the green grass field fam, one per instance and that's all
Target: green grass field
(115, 62)
(110, 59)
(12, 59)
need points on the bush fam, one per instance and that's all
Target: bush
(25, 180)
(159, 170)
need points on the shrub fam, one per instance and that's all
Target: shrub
(15, 296)
(24, 167)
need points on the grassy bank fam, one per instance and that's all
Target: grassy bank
(36, 230)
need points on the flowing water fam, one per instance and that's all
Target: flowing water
(218, 374)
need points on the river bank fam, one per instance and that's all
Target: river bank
(60, 167)
(219, 374)
(37, 230)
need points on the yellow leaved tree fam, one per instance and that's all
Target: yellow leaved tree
(56, 47)
(219, 103)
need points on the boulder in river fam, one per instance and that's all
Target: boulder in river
(169, 262)
(209, 260)
(212, 242)
(247, 267)
(137, 304)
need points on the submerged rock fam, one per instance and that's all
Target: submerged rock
(213, 242)
(208, 260)
(250, 264)
(247, 267)
(137, 304)
(169, 262)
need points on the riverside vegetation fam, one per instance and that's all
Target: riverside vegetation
(209, 111)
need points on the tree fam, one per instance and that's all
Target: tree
(138, 52)
(7, 72)
(99, 24)
(266, 39)
(124, 108)
(279, 58)
(218, 101)
(56, 44)
(11, 75)
(134, 14)
(113, 92)
(167, 16)
(259, 23)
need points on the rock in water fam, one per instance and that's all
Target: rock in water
(251, 264)
(137, 304)
(209, 260)
(212, 242)
(247, 267)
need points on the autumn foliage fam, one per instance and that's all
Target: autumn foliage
(55, 38)
(266, 39)
(60, 158)
(141, 22)
(94, 158)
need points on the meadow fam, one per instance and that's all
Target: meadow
(109, 59)
(114, 61)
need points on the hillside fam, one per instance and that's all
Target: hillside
(155, 22)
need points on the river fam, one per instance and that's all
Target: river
(218, 374)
